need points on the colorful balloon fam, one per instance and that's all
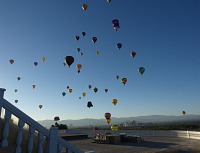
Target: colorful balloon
(79, 66)
(114, 127)
(35, 63)
(83, 34)
(81, 54)
(107, 115)
(115, 24)
(94, 39)
(11, 61)
(109, 1)
(89, 86)
(117, 77)
(108, 120)
(77, 38)
(63, 93)
(18, 78)
(114, 101)
(40, 106)
(141, 70)
(119, 45)
(33, 86)
(183, 112)
(69, 60)
(106, 90)
(43, 59)
(124, 80)
(57, 118)
(97, 52)
(70, 90)
(84, 6)
(133, 54)
(84, 94)
(89, 104)
(78, 49)
(95, 89)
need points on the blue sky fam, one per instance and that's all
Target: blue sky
(165, 35)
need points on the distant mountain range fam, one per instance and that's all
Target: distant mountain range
(114, 120)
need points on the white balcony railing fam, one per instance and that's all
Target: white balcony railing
(55, 144)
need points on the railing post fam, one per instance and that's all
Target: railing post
(6, 129)
(30, 139)
(19, 136)
(53, 139)
(1, 98)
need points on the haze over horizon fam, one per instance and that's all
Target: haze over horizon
(164, 34)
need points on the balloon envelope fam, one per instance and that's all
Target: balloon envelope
(84, 6)
(94, 39)
(69, 60)
(141, 70)
(119, 45)
(89, 104)
(11, 61)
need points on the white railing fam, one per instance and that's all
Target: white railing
(156, 133)
(55, 144)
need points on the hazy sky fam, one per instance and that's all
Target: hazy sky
(165, 34)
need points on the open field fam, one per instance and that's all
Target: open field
(151, 145)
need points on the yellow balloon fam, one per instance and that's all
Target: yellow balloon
(114, 127)
(43, 59)
(70, 90)
(79, 66)
(84, 94)
(114, 101)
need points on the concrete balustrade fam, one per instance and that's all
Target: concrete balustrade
(55, 143)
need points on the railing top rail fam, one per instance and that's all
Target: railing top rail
(28, 120)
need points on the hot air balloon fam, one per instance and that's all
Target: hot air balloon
(79, 66)
(18, 78)
(81, 54)
(89, 104)
(70, 90)
(33, 86)
(119, 45)
(108, 120)
(124, 80)
(77, 38)
(57, 118)
(141, 70)
(106, 90)
(84, 6)
(63, 93)
(15, 90)
(115, 24)
(183, 112)
(97, 52)
(35, 63)
(67, 87)
(117, 77)
(78, 49)
(69, 60)
(109, 1)
(114, 127)
(43, 59)
(107, 115)
(95, 89)
(94, 39)
(64, 64)
(84, 94)
(11, 61)
(16, 101)
(40, 106)
(89, 86)
(133, 54)
(114, 101)
(79, 97)
(83, 34)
